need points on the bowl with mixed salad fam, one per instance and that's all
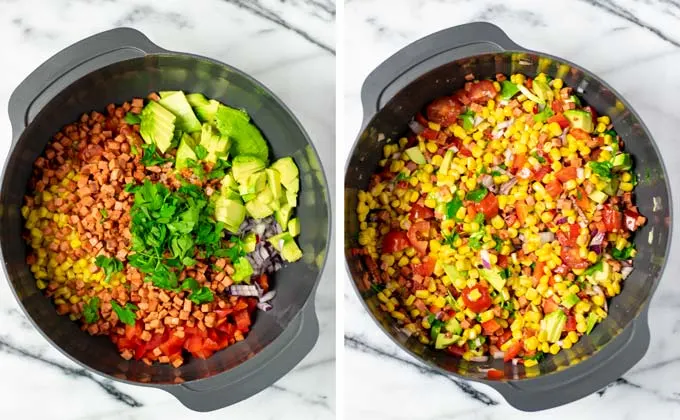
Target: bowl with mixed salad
(159, 197)
(498, 226)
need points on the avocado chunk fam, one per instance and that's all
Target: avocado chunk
(177, 103)
(291, 198)
(603, 274)
(230, 211)
(526, 92)
(216, 145)
(446, 162)
(242, 270)
(570, 300)
(157, 126)
(453, 326)
(294, 227)
(274, 182)
(494, 278)
(243, 166)
(258, 210)
(612, 187)
(256, 182)
(293, 186)
(580, 119)
(229, 183)
(248, 197)
(266, 197)
(554, 323)
(249, 242)
(291, 252)
(590, 322)
(622, 162)
(203, 108)
(598, 196)
(246, 138)
(277, 241)
(185, 151)
(288, 170)
(166, 93)
(415, 155)
(197, 99)
(283, 214)
(542, 90)
(443, 341)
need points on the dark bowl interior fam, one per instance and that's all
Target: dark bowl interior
(137, 77)
(652, 197)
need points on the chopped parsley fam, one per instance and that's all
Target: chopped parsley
(132, 119)
(624, 254)
(453, 206)
(477, 195)
(199, 295)
(479, 219)
(150, 156)
(495, 173)
(538, 157)
(602, 169)
(91, 310)
(475, 241)
(109, 265)
(594, 268)
(125, 314)
(104, 213)
(201, 152)
(401, 176)
(450, 239)
(468, 118)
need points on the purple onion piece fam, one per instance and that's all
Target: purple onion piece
(596, 249)
(264, 306)
(268, 296)
(416, 127)
(484, 254)
(244, 290)
(561, 220)
(598, 238)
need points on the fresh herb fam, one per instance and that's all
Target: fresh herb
(131, 187)
(468, 118)
(150, 156)
(575, 100)
(537, 357)
(125, 314)
(475, 241)
(477, 342)
(479, 219)
(594, 268)
(401, 176)
(602, 169)
(201, 152)
(508, 90)
(505, 273)
(131, 118)
(453, 206)
(220, 169)
(508, 306)
(538, 157)
(91, 310)
(109, 265)
(624, 254)
(499, 243)
(611, 133)
(495, 173)
(543, 115)
(436, 328)
(431, 319)
(633, 178)
(104, 213)
(503, 166)
(481, 170)
(450, 239)
(477, 195)
(134, 150)
(377, 288)
(199, 295)
(237, 249)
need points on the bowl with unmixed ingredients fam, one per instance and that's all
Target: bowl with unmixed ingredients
(507, 216)
(158, 195)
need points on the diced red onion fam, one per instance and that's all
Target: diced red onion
(627, 263)
(597, 239)
(268, 296)
(484, 254)
(596, 249)
(563, 137)
(244, 290)
(546, 237)
(561, 221)
(515, 361)
(625, 272)
(497, 134)
(487, 181)
(416, 127)
(524, 173)
(580, 173)
(507, 186)
(264, 306)
(478, 120)
(480, 359)
(498, 354)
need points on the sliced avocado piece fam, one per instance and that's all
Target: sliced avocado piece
(494, 278)
(598, 196)
(294, 227)
(177, 104)
(288, 170)
(602, 275)
(250, 242)
(446, 162)
(416, 155)
(216, 144)
(612, 187)
(622, 162)
(231, 195)
(291, 198)
(228, 182)
(242, 270)
(580, 119)
(590, 322)
(279, 240)
(291, 252)
(274, 182)
(542, 90)
(197, 99)
(283, 214)
(258, 210)
(570, 300)
(230, 211)
(166, 93)
(453, 326)
(266, 197)
(244, 165)
(247, 139)
(293, 186)
(554, 323)
(452, 272)
(185, 151)
(157, 125)
(256, 182)
(442, 341)
(206, 113)
(526, 92)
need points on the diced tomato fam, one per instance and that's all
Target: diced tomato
(561, 269)
(482, 303)
(426, 268)
(632, 219)
(418, 234)
(482, 91)
(456, 350)
(556, 106)
(569, 238)
(565, 174)
(488, 206)
(172, 345)
(507, 335)
(559, 119)
(203, 354)
(582, 199)
(429, 134)
(593, 113)
(571, 257)
(444, 111)
(579, 134)
(490, 326)
(193, 344)
(495, 374)
(421, 212)
(242, 319)
(538, 272)
(263, 281)
(549, 305)
(571, 323)
(512, 351)
(522, 210)
(395, 241)
(612, 218)
(464, 151)
(502, 261)
(542, 171)
(518, 162)
(421, 120)
(554, 188)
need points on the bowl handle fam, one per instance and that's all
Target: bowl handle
(585, 378)
(70, 64)
(253, 376)
(427, 54)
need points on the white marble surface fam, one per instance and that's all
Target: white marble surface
(289, 46)
(634, 46)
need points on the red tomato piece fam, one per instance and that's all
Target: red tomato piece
(456, 351)
(395, 241)
(172, 345)
(203, 354)
(507, 335)
(518, 161)
(193, 344)
(490, 326)
(495, 374)
(426, 268)
(554, 188)
(482, 91)
(482, 303)
(444, 111)
(522, 210)
(538, 272)
(556, 106)
(429, 134)
(571, 257)
(565, 174)
(464, 151)
(559, 119)
(421, 212)
(502, 261)
(488, 206)
(582, 199)
(242, 319)
(513, 351)
(569, 239)
(421, 120)
(571, 323)
(579, 134)
(461, 96)
(541, 172)
(632, 219)
(549, 305)
(418, 234)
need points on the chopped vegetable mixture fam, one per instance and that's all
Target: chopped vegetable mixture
(502, 224)
(158, 223)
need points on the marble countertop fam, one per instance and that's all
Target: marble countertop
(631, 44)
(276, 42)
